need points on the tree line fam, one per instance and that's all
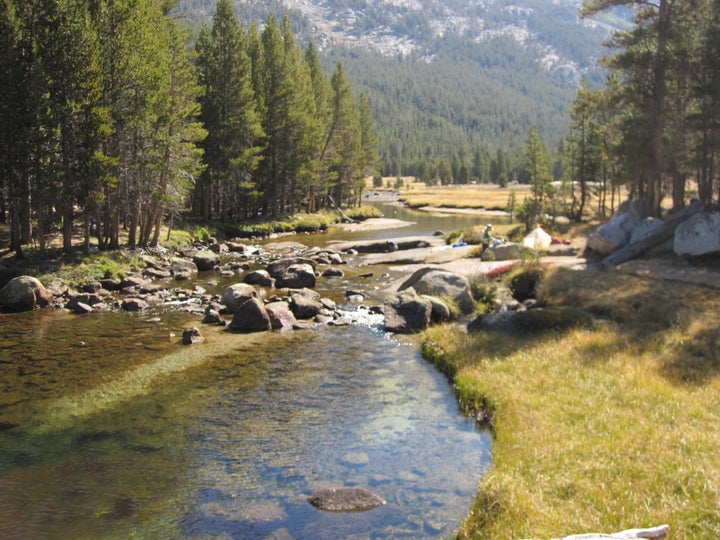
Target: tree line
(111, 117)
(656, 123)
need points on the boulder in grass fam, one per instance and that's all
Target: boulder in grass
(699, 235)
(24, 293)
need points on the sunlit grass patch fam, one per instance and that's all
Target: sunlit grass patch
(603, 428)
(486, 196)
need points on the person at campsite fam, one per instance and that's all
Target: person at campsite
(488, 240)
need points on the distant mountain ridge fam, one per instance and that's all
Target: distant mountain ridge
(444, 77)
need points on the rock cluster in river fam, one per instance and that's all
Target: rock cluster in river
(275, 290)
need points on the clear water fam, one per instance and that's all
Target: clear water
(110, 428)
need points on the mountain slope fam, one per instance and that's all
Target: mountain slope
(446, 77)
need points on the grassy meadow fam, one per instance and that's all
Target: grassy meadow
(597, 429)
(473, 196)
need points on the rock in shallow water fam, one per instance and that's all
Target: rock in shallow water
(352, 499)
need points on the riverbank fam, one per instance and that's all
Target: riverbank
(603, 428)
(577, 414)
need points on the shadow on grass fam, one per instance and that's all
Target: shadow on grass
(696, 361)
(651, 313)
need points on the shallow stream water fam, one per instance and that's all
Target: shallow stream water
(110, 428)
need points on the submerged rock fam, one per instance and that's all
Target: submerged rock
(191, 336)
(352, 499)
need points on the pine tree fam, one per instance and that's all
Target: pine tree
(646, 63)
(179, 131)
(289, 120)
(538, 170)
(321, 90)
(229, 113)
(344, 138)
(583, 149)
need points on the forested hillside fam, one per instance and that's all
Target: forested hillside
(446, 78)
(111, 115)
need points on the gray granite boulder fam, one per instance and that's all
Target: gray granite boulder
(236, 295)
(296, 276)
(616, 233)
(442, 284)
(699, 235)
(280, 316)
(205, 260)
(304, 307)
(182, 268)
(406, 312)
(279, 267)
(134, 304)
(24, 293)
(260, 278)
(503, 252)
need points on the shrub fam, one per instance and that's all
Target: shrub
(201, 233)
(362, 213)
(523, 284)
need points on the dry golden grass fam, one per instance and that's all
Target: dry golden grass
(486, 196)
(599, 429)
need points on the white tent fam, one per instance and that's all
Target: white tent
(538, 240)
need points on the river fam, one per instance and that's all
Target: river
(110, 428)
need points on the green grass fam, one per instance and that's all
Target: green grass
(597, 429)
(361, 213)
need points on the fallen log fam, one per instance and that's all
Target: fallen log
(653, 533)
(664, 232)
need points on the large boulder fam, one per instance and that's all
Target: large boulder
(279, 267)
(251, 316)
(236, 295)
(182, 268)
(304, 307)
(406, 312)
(206, 259)
(645, 228)
(280, 316)
(259, 277)
(699, 235)
(24, 293)
(296, 276)
(442, 284)
(616, 233)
